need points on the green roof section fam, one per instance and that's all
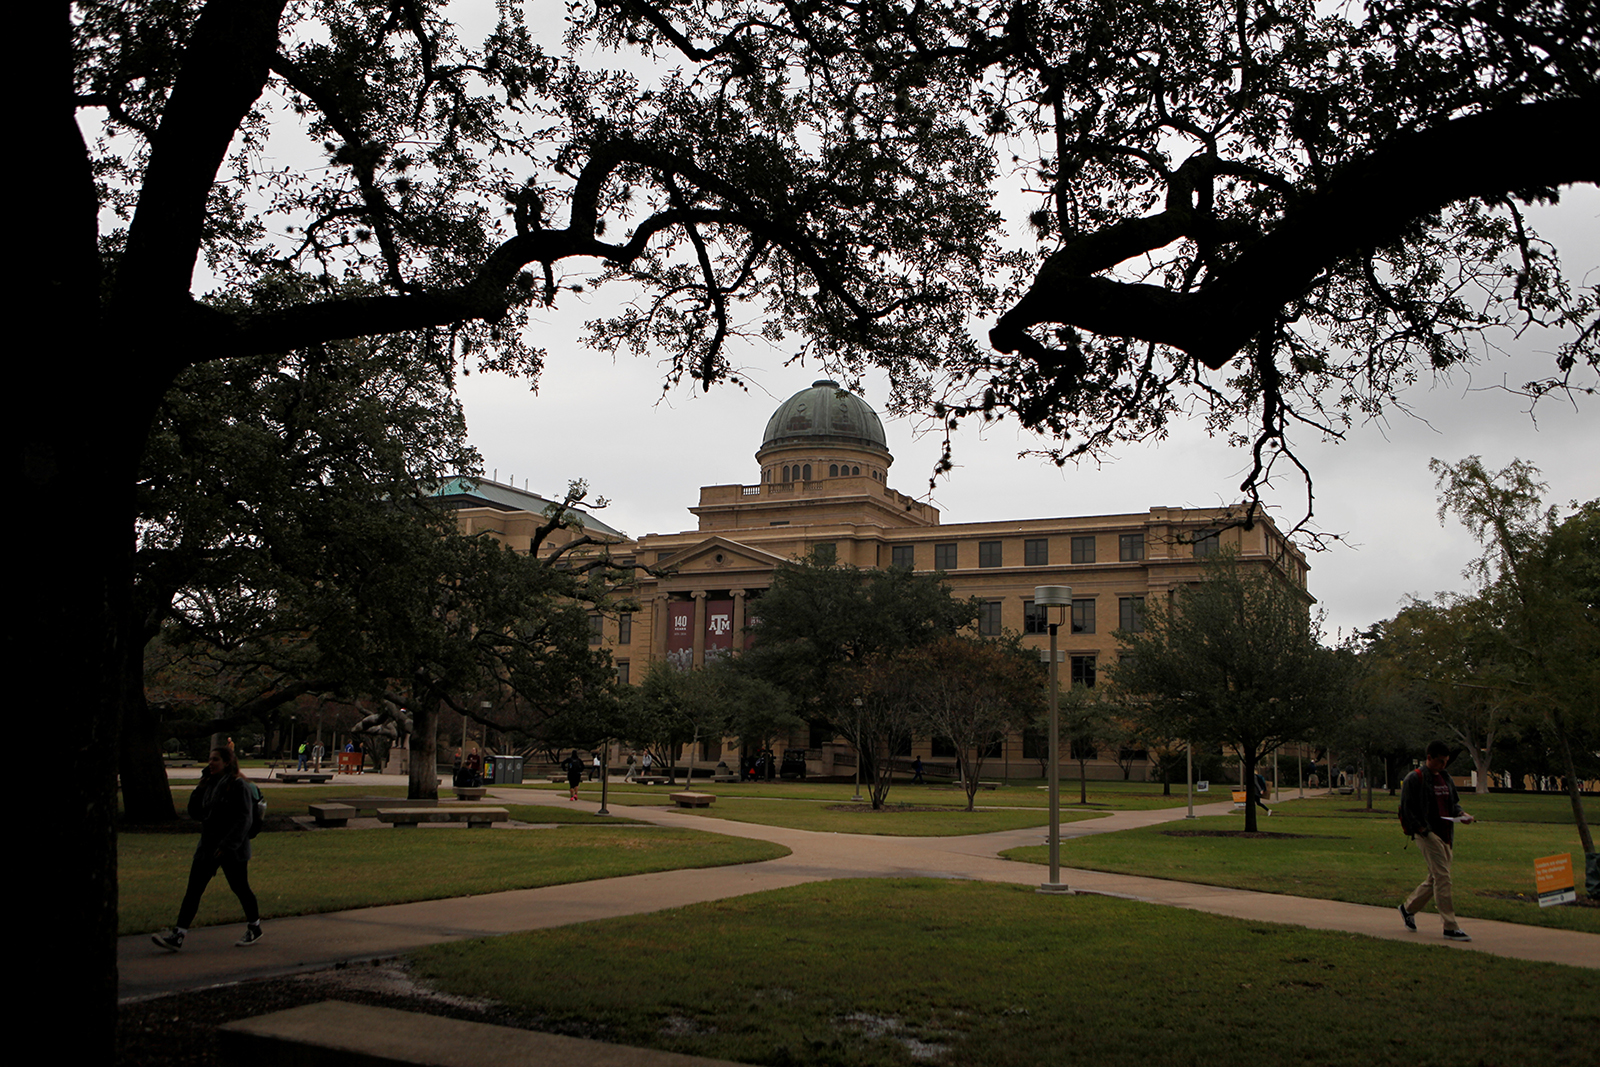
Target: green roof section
(825, 412)
(467, 492)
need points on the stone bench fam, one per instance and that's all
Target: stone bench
(481, 817)
(314, 777)
(687, 799)
(338, 1034)
(331, 814)
(652, 779)
(338, 812)
(471, 792)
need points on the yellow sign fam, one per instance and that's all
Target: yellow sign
(1552, 875)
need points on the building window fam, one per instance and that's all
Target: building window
(622, 671)
(1084, 748)
(826, 552)
(625, 628)
(1130, 547)
(1083, 550)
(1035, 618)
(833, 470)
(855, 471)
(1205, 544)
(1083, 616)
(1083, 670)
(1036, 552)
(903, 557)
(988, 553)
(786, 478)
(989, 618)
(942, 747)
(1130, 614)
(806, 477)
(596, 629)
(944, 557)
(1035, 743)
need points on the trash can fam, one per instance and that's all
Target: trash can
(505, 770)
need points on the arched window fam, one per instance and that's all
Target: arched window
(807, 475)
(786, 473)
(855, 470)
(833, 470)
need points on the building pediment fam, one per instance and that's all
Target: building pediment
(718, 554)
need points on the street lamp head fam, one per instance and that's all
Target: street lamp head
(1052, 596)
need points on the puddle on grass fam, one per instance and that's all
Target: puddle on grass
(680, 1026)
(880, 1026)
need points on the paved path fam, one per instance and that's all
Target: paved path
(317, 941)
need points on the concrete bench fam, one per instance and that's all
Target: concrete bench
(652, 779)
(331, 814)
(314, 777)
(471, 792)
(416, 816)
(687, 799)
(338, 1034)
(337, 813)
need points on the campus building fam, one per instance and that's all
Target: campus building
(821, 488)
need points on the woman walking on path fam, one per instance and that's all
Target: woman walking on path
(224, 807)
(574, 774)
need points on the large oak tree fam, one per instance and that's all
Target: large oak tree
(1237, 197)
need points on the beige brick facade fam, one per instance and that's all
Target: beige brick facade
(823, 486)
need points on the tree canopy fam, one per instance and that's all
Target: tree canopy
(1281, 210)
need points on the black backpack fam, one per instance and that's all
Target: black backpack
(258, 806)
(1407, 826)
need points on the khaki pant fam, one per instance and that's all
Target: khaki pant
(1435, 887)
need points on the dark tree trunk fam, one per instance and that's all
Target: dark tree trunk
(146, 794)
(423, 783)
(1251, 793)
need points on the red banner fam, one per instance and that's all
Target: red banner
(719, 628)
(680, 633)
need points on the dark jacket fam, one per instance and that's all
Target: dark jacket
(224, 809)
(1420, 807)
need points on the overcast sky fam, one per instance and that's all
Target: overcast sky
(608, 421)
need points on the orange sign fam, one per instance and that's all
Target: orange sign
(1552, 875)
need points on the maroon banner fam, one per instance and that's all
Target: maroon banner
(680, 633)
(719, 629)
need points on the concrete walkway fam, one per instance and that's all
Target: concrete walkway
(317, 941)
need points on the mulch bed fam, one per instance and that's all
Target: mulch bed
(1243, 833)
(1531, 898)
(867, 809)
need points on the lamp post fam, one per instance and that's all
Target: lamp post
(857, 798)
(1047, 597)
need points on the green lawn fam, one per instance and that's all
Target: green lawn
(893, 821)
(305, 873)
(902, 972)
(1106, 795)
(1346, 853)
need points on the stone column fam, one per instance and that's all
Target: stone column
(699, 627)
(738, 621)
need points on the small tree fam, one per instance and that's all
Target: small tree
(972, 691)
(1540, 574)
(1235, 660)
(825, 629)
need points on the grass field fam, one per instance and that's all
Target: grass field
(306, 873)
(870, 972)
(1343, 852)
(1105, 795)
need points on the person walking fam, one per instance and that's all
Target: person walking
(225, 809)
(303, 749)
(574, 767)
(1261, 792)
(1429, 811)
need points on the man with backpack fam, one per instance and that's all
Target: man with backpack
(1429, 810)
